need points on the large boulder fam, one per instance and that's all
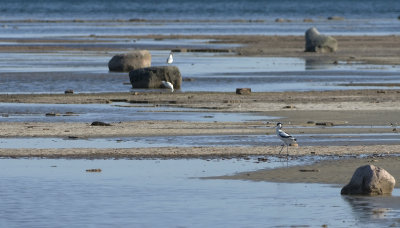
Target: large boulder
(370, 180)
(130, 61)
(152, 77)
(315, 42)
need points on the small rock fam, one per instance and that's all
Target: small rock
(69, 91)
(188, 79)
(73, 137)
(243, 91)
(262, 159)
(289, 107)
(335, 18)
(308, 20)
(52, 114)
(308, 170)
(93, 170)
(327, 124)
(99, 123)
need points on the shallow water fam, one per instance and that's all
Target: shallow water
(115, 112)
(168, 193)
(88, 73)
(199, 140)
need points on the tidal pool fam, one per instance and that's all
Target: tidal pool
(87, 72)
(197, 140)
(169, 193)
(115, 112)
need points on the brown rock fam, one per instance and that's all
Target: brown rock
(130, 61)
(243, 91)
(152, 77)
(369, 180)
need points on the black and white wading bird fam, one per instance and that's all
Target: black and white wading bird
(285, 137)
(170, 58)
(168, 85)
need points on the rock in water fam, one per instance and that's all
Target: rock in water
(315, 42)
(130, 61)
(369, 180)
(152, 77)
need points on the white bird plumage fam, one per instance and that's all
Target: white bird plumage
(170, 58)
(285, 137)
(168, 85)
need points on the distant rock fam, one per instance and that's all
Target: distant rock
(336, 18)
(280, 20)
(327, 124)
(369, 180)
(315, 42)
(308, 20)
(53, 114)
(130, 61)
(152, 77)
(99, 123)
(69, 91)
(243, 91)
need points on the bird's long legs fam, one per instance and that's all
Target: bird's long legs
(287, 150)
(283, 145)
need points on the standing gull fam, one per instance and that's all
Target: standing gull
(168, 85)
(170, 58)
(285, 137)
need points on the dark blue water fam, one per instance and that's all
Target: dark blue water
(22, 18)
(194, 9)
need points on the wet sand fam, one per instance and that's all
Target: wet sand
(367, 49)
(299, 110)
(336, 172)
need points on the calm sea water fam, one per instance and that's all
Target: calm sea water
(194, 9)
(169, 193)
(196, 17)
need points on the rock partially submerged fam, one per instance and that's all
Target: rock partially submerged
(152, 77)
(370, 180)
(130, 61)
(316, 42)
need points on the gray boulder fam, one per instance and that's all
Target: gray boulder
(152, 77)
(315, 42)
(130, 61)
(369, 180)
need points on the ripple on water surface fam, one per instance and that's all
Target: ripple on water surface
(134, 192)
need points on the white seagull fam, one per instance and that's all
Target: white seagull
(170, 58)
(168, 85)
(285, 137)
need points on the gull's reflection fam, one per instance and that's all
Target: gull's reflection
(319, 64)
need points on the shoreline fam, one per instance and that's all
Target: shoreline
(300, 109)
(368, 49)
(334, 172)
(200, 152)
